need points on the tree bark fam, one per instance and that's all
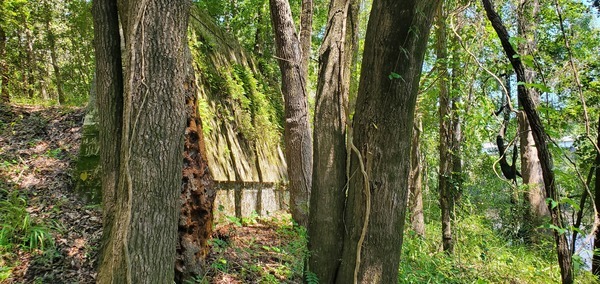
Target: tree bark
(109, 99)
(445, 168)
(395, 46)
(306, 19)
(31, 61)
(197, 191)
(146, 203)
(415, 182)
(539, 136)
(297, 133)
(531, 170)
(4, 96)
(596, 257)
(326, 227)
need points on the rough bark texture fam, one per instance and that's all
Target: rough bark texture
(297, 133)
(445, 168)
(146, 204)
(596, 257)
(326, 227)
(395, 45)
(539, 136)
(306, 19)
(197, 191)
(415, 182)
(109, 99)
(531, 170)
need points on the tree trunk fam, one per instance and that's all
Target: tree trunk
(53, 57)
(31, 62)
(415, 182)
(4, 96)
(395, 46)
(298, 140)
(146, 204)
(531, 170)
(197, 191)
(445, 168)
(306, 19)
(596, 257)
(455, 123)
(109, 99)
(326, 227)
(539, 136)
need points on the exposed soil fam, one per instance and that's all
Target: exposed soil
(38, 152)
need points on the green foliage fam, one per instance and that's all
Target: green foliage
(18, 226)
(481, 256)
(49, 47)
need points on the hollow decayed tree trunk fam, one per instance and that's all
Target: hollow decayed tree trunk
(415, 182)
(596, 257)
(539, 136)
(297, 136)
(395, 45)
(197, 191)
(145, 205)
(326, 228)
(531, 169)
(445, 168)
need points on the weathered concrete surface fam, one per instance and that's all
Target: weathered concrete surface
(243, 199)
(242, 142)
(87, 171)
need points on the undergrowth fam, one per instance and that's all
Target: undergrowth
(19, 230)
(481, 255)
(256, 250)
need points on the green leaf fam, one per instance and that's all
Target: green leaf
(571, 202)
(559, 230)
(394, 75)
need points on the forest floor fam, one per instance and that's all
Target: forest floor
(50, 234)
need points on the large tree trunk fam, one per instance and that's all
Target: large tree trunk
(445, 168)
(531, 170)
(539, 136)
(146, 205)
(326, 227)
(415, 181)
(197, 191)
(297, 136)
(596, 258)
(395, 45)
